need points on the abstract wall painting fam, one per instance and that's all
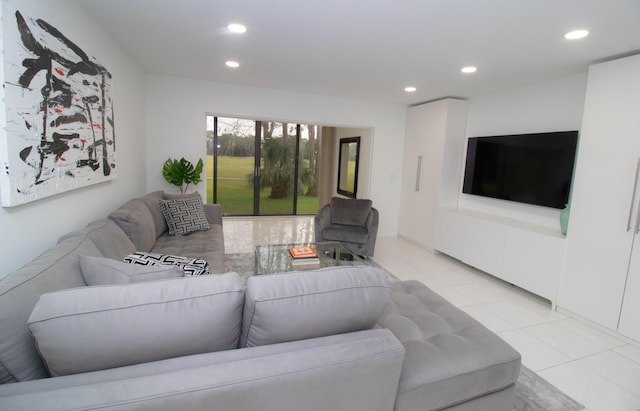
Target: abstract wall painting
(59, 132)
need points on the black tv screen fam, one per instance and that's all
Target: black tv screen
(528, 168)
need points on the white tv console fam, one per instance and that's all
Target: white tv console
(526, 255)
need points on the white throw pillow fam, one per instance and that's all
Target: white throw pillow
(105, 271)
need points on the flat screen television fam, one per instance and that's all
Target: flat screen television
(528, 168)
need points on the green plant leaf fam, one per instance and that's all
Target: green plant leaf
(181, 173)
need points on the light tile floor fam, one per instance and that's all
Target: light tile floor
(597, 368)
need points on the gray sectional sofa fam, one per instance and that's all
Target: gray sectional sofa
(143, 222)
(342, 338)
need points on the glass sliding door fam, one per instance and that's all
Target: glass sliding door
(277, 167)
(308, 169)
(230, 164)
(259, 167)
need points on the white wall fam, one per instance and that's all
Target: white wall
(30, 229)
(543, 107)
(176, 110)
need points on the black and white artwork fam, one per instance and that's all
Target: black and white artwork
(59, 132)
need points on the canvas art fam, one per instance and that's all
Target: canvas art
(59, 133)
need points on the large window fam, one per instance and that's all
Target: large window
(257, 167)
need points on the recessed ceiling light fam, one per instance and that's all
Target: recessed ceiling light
(410, 89)
(576, 34)
(469, 69)
(232, 64)
(236, 28)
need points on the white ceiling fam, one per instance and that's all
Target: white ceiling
(371, 49)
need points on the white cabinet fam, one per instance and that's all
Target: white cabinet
(533, 260)
(475, 241)
(528, 256)
(432, 172)
(434, 146)
(629, 323)
(601, 280)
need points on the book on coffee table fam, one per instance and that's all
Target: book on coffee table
(303, 252)
(304, 262)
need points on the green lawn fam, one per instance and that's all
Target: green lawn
(235, 194)
(231, 167)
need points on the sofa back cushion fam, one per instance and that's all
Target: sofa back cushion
(105, 234)
(95, 328)
(135, 219)
(348, 211)
(307, 304)
(56, 269)
(151, 201)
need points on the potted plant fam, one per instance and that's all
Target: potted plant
(181, 173)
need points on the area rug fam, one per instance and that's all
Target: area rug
(242, 263)
(533, 393)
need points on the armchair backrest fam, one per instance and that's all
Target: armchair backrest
(349, 211)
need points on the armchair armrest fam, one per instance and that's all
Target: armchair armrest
(372, 221)
(372, 218)
(322, 220)
(214, 213)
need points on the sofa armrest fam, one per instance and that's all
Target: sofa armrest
(214, 213)
(356, 371)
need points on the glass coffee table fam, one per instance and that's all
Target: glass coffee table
(274, 258)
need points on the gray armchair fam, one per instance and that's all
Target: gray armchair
(350, 221)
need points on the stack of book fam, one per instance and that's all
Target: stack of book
(303, 256)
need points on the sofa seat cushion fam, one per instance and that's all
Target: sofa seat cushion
(346, 233)
(308, 304)
(208, 245)
(450, 357)
(94, 328)
(350, 211)
(106, 271)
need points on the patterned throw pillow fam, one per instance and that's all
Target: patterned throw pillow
(191, 266)
(184, 215)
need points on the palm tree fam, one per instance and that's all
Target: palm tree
(279, 167)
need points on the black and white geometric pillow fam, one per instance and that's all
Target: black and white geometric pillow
(184, 215)
(191, 266)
